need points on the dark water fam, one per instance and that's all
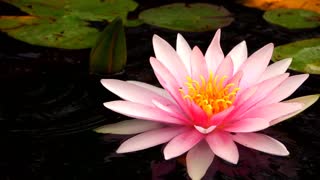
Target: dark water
(49, 106)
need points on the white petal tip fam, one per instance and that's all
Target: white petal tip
(217, 34)
(166, 156)
(156, 38)
(203, 130)
(287, 153)
(104, 82)
(233, 161)
(288, 60)
(107, 104)
(284, 152)
(119, 151)
(122, 149)
(270, 45)
(306, 75)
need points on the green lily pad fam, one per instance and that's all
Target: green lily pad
(293, 18)
(197, 17)
(63, 24)
(67, 32)
(305, 55)
(11, 22)
(93, 10)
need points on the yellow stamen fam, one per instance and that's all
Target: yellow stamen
(211, 95)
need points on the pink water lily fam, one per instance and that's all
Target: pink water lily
(209, 103)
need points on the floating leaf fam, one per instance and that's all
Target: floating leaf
(13, 22)
(110, 53)
(293, 18)
(305, 55)
(93, 10)
(312, 5)
(63, 23)
(197, 17)
(67, 32)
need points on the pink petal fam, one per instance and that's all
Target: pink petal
(273, 111)
(244, 96)
(251, 96)
(169, 83)
(276, 69)
(160, 91)
(238, 55)
(306, 102)
(169, 58)
(268, 86)
(255, 65)
(285, 89)
(141, 111)
(261, 142)
(219, 117)
(199, 158)
(199, 117)
(247, 125)
(214, 54)
(198, 65)
(171, 109)
(184, 51)
(236, 79)
(150, 139)
(182, 143)
(225, 68)
(129, 91)
(133, 126)
(166, 79)
(222, 145)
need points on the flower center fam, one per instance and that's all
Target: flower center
(212, 95)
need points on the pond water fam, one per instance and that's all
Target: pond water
(49, 106)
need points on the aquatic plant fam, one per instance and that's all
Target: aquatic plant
(209, 103)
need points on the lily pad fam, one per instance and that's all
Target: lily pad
(12, 22)
(67, 32)
(305, 55)
(93, 10)
(293, 18)
(63, 24)
(197, 17)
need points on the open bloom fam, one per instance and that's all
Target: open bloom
(208, 103)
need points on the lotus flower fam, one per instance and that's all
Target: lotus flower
(208, 103)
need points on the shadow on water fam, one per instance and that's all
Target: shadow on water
(49, 106)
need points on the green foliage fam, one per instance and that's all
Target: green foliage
(93, 10)
(305, 55)
(110, 54)
(62, 23)
(67, 32)
(293, 18)
(197, 17)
